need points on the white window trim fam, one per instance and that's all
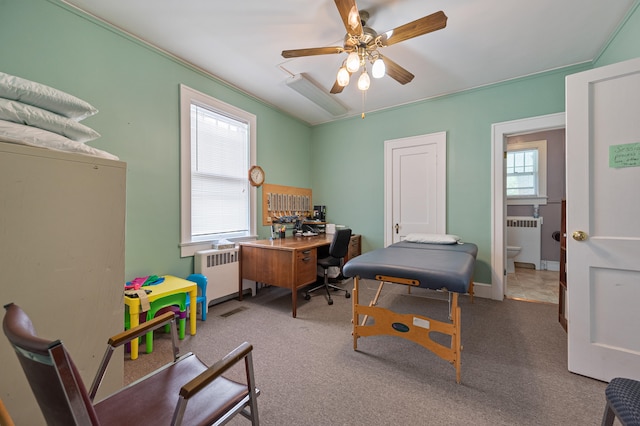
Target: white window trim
(541, 199)
(187, 97)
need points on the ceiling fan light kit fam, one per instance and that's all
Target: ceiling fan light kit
(362, 44)
(364, 81)
(378, 69)
(343, 76)
(353, 62)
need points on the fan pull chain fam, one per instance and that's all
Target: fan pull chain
(364, 92)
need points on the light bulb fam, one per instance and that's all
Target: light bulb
(364, 81)
(353, 62)
(378, 69)
(343, 77)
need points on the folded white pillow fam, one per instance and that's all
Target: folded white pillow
(45, 97)
(21, 113)
(34, 136)
(433, 238)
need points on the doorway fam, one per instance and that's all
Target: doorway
(537, 265)
(500, 133)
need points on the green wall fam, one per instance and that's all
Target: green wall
(625, 44)
(466, 117)
(353, 149)
(136, 89)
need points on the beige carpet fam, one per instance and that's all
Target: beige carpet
(514, 363)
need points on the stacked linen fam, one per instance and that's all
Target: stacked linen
(38, 115)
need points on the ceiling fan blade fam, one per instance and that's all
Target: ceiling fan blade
(435, 21)
(295, 53)
(350, 16)
(336, 88)
(396, 72)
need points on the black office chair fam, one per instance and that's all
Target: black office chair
(337, 251)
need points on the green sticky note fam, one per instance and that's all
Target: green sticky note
(625, 155)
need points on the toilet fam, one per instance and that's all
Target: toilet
(512, 252)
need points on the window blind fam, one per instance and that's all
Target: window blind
(219, 164)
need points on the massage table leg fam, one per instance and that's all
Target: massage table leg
(386, 319)
(456, 341)
(355, 294)
(373, 302)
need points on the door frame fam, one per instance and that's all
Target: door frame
(440, 140)
(499, 134)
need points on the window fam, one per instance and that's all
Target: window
(526, 170)
(217, 148)
(522, 172)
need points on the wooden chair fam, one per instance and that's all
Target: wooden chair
(185, 391)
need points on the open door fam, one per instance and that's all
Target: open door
(603, 221)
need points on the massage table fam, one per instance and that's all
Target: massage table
(443, 267)
(468, 248)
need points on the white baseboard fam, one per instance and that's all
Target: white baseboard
(482, 290)
(550, 265)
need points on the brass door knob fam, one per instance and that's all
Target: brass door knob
(579, 235)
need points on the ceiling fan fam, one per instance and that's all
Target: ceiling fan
(362, 44)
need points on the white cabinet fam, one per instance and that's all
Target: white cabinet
(62, 233)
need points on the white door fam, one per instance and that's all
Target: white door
(415, 186)
(603, 207)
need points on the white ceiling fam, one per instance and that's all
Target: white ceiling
(484, 42)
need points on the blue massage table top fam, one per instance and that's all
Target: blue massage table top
(435, 266)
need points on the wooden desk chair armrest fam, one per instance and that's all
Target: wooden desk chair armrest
(142, 329)
(216, 370)
(129, 335)
(206, 378)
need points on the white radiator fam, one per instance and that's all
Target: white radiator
(525, 232)
(221, 267)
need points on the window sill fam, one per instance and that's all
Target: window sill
(190, 249)
(525, 201)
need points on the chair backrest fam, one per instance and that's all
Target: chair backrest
(52, 375)
(201, 282)
(178, 300)
(340, 245)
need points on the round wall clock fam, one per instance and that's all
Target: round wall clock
(256, 176)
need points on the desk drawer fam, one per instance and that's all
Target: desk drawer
(306, 261)
(355, 248)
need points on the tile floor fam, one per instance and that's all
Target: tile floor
(533, 285)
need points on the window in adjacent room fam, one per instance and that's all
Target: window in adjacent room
(526, 170)
(217, 149)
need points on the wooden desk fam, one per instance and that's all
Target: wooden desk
(170, 285)
(287, 262)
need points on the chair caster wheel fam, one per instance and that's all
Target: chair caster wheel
(347, 295)
(330, 301)
(307, 297)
